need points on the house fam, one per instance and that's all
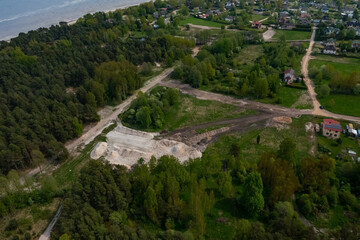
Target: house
(256, 24)
(357, 31)
(330, 42)
(331, 128)
(355, 44)
(331, 49)
(325, 9)
(352, 153)
(316, 21)
(228, 6)
(289, 76)
(330, 30)
(348, 10)
(229, 18)
(156, 15)
(163, 12)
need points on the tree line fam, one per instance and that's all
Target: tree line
(164, 199)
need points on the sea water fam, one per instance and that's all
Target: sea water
(24, 15)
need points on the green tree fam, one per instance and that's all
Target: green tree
(261, 88)
(77, 126)
(150, 203)
(324, 90)
(253, 200)
(143, 116)
(287, 150)
(38, 158)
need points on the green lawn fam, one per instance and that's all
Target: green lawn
(341, 64)
(342, 104)
(257, 17)
(201, 22)
(292, 35)
(288, 96)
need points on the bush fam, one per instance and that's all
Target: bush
(347, 199)
(13, 225)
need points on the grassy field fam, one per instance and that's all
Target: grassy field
(288, 96)
(201, 22)
(341, 64)
(292, 35)
(342, 104)
(270, 138)
(252, 52)
(193, 111)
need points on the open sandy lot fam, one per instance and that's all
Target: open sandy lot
(126, 146)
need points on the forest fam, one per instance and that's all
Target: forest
(53, 80)
(167, 200)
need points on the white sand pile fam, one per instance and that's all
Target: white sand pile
(126, 146)
(98, 150)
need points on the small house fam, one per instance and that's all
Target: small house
(352, 153)
(229, 18)
(331, 128)
(289, 76)
(330, 30)
(256, 24)
(325, 9)
(331, 49)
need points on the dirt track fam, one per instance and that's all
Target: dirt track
(311, 88)
(191, 137)
(244, 103)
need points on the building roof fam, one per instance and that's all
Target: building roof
(331, 124)
(289, 71)
(330, 48)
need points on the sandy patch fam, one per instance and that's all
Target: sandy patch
(303, 100)
(126, 146)
(98, 150)
(280, 123)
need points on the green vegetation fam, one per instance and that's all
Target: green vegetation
(257, 17)
(201, 22)
(49, 93)
(342, 77)
(292, 35)
(168, 109)
(68, 172)
(342, 104)
(252, 52)
(222, 68)
(341, 64)
(288, 97)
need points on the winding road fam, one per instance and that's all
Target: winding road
(311, 87)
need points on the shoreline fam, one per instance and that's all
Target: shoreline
(73, 21)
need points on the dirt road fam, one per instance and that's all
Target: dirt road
(46, 234)
(244, 103)
(91, 133)
(311, 87)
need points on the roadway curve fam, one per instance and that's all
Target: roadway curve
(311, 87)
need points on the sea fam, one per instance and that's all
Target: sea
(18, 16)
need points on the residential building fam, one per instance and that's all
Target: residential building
(289, 76)
(331, 49)
(331, 128)
(355, 44)
(256, 24)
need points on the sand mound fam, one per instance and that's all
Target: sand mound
(126, 146)
(283, 120)
(98, 150)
